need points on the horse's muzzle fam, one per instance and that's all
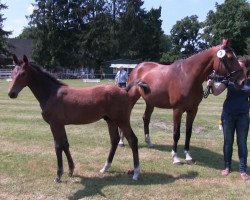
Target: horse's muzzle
(12, 95)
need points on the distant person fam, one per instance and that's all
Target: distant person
(235, 118)
(121, 79)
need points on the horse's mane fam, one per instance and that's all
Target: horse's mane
(47, 75)
(198, 53)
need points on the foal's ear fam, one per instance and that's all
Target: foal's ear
(25, 59)
(15, 60)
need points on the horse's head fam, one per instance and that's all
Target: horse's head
(19, 76)
(228, 65)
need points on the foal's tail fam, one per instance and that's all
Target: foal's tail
(139, 83)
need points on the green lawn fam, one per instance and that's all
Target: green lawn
(28, 161)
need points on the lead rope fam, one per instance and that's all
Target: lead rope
(209, 90)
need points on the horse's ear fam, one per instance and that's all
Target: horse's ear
(25, 59)
(15, 60)
(225, 42)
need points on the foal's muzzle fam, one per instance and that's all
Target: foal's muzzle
(12, 95)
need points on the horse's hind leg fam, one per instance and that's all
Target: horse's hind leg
(114, 138)
(189, 126)
(146, 120)
(133, 143)
(61, 144)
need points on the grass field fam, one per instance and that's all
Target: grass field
(28, 161)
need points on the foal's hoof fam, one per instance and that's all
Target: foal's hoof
(150, 145)
(70, 174)
(57, 180)
(190, 162)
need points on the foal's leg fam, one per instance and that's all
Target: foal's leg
(114, 139)
(177, 114)
(133, 143)
(146, 120)
(61, 144)
(189, 125)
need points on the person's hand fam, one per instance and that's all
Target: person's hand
(210, 82)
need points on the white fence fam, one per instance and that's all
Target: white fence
(5, 73)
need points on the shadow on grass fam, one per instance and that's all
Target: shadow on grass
(202, 156)
(94, 185)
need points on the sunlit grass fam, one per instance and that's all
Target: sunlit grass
(28, 162)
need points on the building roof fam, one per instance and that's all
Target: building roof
(121, 61)
(21, 47)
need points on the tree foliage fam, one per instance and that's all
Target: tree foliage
(184, 39)
(3, 34)
(230, 20)
(71, 33)
(185, 35)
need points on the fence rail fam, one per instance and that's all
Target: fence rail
(5, 73)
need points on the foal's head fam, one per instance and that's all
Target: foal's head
(228, 64)
(19, 76)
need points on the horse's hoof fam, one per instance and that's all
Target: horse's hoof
(190, 162)
(105, 167)
(135, 178)
(150, 145)
(57, 180)
(178, 163)
(71, 171)
(121, 145)
(70, 174)
(136, 174)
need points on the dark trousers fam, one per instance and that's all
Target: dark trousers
(122, 85)
(238, 123)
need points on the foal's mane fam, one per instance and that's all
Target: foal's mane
(45, 74)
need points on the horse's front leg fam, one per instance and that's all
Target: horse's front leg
(61, 144)
(69, 158)
(189, 126)
(114, 138)
(177, 114)
(146, 120)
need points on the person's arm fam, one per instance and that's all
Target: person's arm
(246, 87)
(116, 78)
(216, 90)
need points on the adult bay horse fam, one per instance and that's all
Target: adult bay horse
(62, 105)
(179, 86)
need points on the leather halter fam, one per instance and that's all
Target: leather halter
(231, 75)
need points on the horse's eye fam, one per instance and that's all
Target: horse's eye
(23, 74)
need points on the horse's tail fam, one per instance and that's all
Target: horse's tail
(139, 83)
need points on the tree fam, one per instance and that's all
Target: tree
(167, 50)
(96, 43)
(230, 20)
(57, 25)
(3, 34)
(150, 35)
(185, 35)
(27, 33)
(72, 33)
(248, 48)
(139, 32)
